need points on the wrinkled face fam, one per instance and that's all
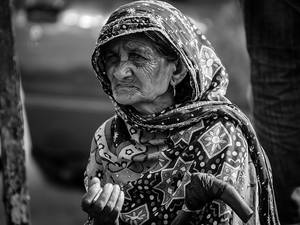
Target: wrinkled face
(137, 72)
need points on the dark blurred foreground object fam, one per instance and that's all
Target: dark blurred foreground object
(15, 194)
(273, 41)
(205, 188)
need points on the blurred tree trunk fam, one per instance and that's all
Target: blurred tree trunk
(15, 192)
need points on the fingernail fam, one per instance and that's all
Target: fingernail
(117, 186)
(109, 185)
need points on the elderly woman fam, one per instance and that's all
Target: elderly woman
(177, 151)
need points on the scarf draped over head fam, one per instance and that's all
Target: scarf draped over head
(208, 79)
(153, 157)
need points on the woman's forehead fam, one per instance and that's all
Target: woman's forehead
(130, 42)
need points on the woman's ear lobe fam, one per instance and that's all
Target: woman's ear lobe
(179, 73)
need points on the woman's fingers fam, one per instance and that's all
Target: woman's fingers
(101, 202)
(113, 199)
(192, 200)
(118, 206)
(109, 204)
(91, 194)
(120, 202)
(202, 189)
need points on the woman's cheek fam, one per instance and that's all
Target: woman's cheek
(149, 68)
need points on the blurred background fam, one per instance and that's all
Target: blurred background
(64, 102)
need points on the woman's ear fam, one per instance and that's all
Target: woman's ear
(179, 73)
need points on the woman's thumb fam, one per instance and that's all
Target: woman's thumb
(93, 181)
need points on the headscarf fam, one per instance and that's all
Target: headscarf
(130, 142)
(208, 78)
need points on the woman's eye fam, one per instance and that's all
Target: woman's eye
(111, 58)
(136, 56)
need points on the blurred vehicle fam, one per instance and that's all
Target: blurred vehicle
(64, 101)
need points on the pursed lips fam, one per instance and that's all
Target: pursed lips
(124, 85)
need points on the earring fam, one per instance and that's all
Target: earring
(174, 88)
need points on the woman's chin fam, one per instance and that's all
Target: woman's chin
(126, 99)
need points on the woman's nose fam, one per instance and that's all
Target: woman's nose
(123, 70)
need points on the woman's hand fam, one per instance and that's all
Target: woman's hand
(104, 205)
(204, 188)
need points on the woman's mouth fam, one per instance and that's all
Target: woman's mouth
(126, 87)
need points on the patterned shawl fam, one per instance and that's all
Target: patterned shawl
(153, 157)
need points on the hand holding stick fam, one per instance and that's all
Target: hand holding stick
(204, 188)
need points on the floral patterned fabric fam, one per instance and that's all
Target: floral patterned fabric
(152, 158)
